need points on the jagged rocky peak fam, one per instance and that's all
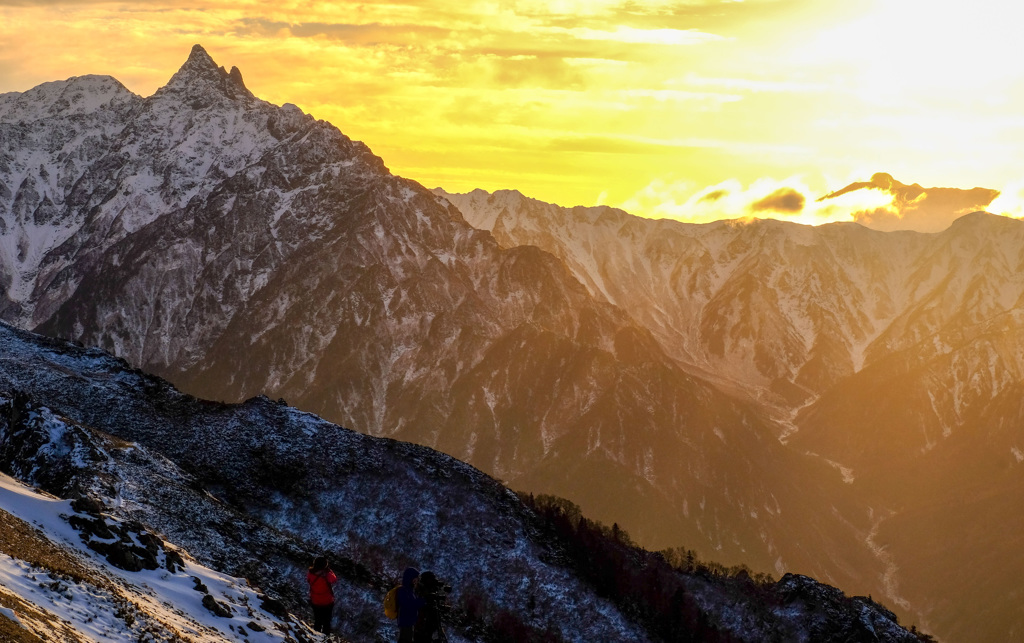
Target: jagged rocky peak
(235, 76)
(201, 77)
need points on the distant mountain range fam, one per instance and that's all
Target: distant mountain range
(896, 357)
(792, 398)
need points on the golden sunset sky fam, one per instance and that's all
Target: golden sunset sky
(698, 109)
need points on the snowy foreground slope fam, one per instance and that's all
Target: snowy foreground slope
(53, 586)
(287, 486)
(254, 490)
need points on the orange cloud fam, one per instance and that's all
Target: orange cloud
(914, 207)
(881, 203)
(727, 200)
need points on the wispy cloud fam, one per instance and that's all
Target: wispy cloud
(636, 36)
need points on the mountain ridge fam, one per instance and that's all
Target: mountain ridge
(275, 255)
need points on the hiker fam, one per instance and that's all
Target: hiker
(321, 593)
(409, 605)
(435, 602)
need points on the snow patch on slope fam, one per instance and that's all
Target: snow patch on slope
(116, 605)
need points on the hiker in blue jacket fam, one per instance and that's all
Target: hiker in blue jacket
(409, 605)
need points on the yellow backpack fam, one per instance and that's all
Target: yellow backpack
(391, 603)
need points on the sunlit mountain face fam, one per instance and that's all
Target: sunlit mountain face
(892, 357)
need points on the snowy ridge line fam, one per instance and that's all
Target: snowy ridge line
(717, 293)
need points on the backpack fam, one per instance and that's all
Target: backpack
(391, 603)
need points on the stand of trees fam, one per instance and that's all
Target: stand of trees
(651, 587)
(658, 589)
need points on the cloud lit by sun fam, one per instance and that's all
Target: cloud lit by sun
(1010, 201)
(649, 105)
(790, 199)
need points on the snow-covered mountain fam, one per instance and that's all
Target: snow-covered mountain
(896, 357)
(780, 312)
(240, 248)
(255, 490)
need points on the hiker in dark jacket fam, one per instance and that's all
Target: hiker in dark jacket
(321, 593)
(409, 605)
(428, 624)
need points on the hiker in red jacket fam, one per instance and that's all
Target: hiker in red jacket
(321, 593)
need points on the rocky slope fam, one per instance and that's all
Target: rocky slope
(259, 488)
(255, 489)
(61, 580)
